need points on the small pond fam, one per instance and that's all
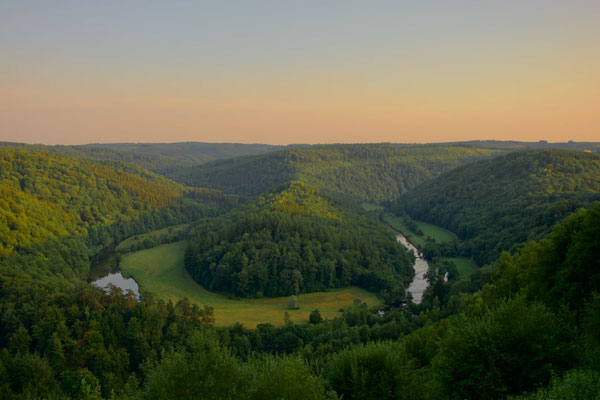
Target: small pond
(118, 280)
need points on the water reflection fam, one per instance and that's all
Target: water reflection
(118, 280)
(419, 284)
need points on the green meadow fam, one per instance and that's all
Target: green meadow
(464, 265)
(438, 233)
(160, 270)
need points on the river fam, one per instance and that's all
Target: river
(416, 287)
(419, 284)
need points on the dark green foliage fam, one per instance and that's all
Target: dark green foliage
(296, 241)
(575, 385)
(285, 378)
(69, 328)
(374, 371)
(373, 172)
(561, 270)
(510, 349)
(591, 319)
(493, 205)
(207, 371)
(315, 317)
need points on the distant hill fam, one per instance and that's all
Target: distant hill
(296, 240)
(156, 157)
(496, 204)
(371, 172)
(511, 145)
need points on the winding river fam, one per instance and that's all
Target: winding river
(419, 283)
(416, 287)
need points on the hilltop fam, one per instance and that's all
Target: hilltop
(297, 240)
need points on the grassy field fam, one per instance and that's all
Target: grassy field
(438, 233)
(464, 265)
(160, 270)
(170, 230)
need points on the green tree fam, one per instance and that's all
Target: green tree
(510, 349)
(315, 317)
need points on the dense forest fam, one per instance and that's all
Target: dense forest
(511, 337)
(525, 326)
(493, 205)
(371, 172)
(295, 240)
(45, 197)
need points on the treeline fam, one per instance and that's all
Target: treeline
(157, 157)
(296, 241)
(371, 172)
(495, 205)
(512, 145)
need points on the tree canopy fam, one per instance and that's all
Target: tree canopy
(296, 240)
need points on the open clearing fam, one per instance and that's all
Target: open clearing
(436, 232)
(160, 270)
(464, 265)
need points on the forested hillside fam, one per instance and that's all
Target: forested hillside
(495, 204)
(45, 197)
(295, 240)
(157, 157)
(372, 172)
(57, 213)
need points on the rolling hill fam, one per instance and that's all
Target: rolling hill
(156, 157)
(296, 240)
(495, 204)
(371, 172)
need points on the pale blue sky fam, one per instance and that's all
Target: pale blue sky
(360, 71)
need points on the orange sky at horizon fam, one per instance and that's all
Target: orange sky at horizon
(536, 83)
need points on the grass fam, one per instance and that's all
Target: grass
(464, 265)
(127, 243)
(440, 234)
(160, 270)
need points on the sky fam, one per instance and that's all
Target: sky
(280, 72)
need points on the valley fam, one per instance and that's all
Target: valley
(299, 261)
(299, 200)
